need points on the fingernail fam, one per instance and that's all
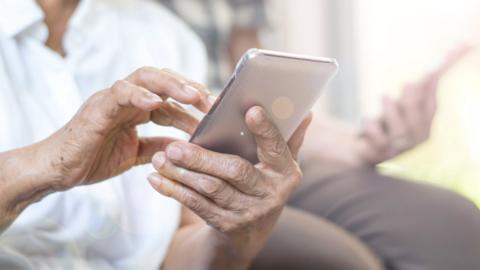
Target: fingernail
(190, 89)
(159, 159)
(151, 97)
(155, 179)
(258, 115)
(174, 152)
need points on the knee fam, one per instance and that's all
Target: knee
(303, 241)
(449, 237)
(430, 227)
(450, 207)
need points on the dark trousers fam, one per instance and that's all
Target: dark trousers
(362, 220)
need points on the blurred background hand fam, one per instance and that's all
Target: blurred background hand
(403, 124)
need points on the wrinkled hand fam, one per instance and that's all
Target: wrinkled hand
(403, 124)
(239, 200)
(101, 140)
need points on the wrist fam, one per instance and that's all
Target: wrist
(53, 167)
(232, 248)
(26, 178)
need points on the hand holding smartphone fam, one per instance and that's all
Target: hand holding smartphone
(285, 85)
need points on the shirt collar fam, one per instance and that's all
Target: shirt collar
(16, 16)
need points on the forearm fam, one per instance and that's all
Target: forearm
(26, 176)
(200, 247)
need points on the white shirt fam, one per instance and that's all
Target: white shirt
(121, 223)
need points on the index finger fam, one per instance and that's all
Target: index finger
(205, 102)
(233, 169)
(427, 87)
(167, 85)
(272, 149)
(430, 81)
(452, 58)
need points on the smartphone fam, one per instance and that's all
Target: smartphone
(285, 85)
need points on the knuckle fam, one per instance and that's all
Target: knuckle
(268, 130)
(212, 187)
(192, 201)
(238, 169)
(119, 87)
(197, 158)
(98, 110)
(144, 73)
(162, 115)
(277, 149)
(145, 70)
(231, 199)
(227, 200)
(94, 102)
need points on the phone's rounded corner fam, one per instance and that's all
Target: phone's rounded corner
(252, 53)
(248, 56)
(335, 64)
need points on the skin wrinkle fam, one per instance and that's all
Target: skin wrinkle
(249, 224)
(84, 146)
(18, 180)
(123, 166)
(104, 143)
(20, 202)
(69, 149)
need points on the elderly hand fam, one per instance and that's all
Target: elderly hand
(101, 140)
(239, 200)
